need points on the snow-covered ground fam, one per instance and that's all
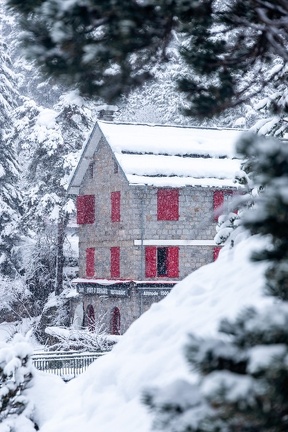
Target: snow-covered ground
(108, 396)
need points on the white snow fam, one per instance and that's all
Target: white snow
(235, 386)
(108, 396)
(47, 118)
(172, 156)
(165, 156)
(261, 356)
(184, 170)
(170, 140)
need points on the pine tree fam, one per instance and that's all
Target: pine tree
(109, 48)
(16, 376)
(10, 198)
(10, 209)
(268, 217)
(49, 141)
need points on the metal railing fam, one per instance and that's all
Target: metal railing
(65, 364)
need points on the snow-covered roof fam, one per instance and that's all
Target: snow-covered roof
(160, 155)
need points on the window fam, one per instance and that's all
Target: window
(216, 253)
(162, 261)
(168, 204)
(220, 197)
(91, 170)
(90, 318)
(115, 167)
(115, 262)
(90, 262)
(115, 322)
(115, 206)
(85, 209)
(162, 264)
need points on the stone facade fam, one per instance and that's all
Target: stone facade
(129, 298)
(139, 221)
(119, 293)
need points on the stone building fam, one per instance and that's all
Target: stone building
(146, 200)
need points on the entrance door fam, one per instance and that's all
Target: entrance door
(115, 321)
(90, 318)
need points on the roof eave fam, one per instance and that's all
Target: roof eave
(84, 161)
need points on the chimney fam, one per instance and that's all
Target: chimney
(106, 112)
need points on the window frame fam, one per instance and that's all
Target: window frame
(152, 265)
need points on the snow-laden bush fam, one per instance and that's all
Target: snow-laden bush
(16, 376)
(15, 299)
(67, 339)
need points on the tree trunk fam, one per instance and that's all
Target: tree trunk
(62, 224)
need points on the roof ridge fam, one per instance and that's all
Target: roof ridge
(172, 125)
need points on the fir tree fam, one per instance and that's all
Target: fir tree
(16, 376)
(49, 141)
(10, 199)
(109, 48)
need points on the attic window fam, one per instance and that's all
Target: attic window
(91, 170)
(115, 167)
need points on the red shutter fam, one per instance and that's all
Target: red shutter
(218, 200)
(90, 262)
(115, 262)
(150, 261)
(173, 262)
(216, 253)
(85, 209)
(115, 206)
(168, 204)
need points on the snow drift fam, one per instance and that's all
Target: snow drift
(108, 396)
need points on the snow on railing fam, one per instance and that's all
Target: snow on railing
(65, 364)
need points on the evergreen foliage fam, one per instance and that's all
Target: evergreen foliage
(10, 198)
(242, 372)
(107, 48)
(16, 376)
(243, 385)
(269, 216)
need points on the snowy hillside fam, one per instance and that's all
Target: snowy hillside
(108, 396)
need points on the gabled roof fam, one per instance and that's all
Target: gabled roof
(165, 155)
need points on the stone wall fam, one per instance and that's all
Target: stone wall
(139, 220)
(137, 301)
